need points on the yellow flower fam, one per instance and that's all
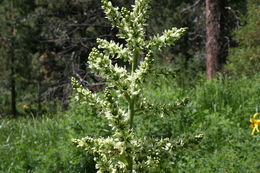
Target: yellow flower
(25, 106)
(254, 123)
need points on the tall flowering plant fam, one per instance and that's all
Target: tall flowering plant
(123, 151)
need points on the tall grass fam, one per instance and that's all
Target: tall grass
(218, 109)
(43, 144)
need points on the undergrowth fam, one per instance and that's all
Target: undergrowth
(219, 110)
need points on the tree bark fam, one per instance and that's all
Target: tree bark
(213, 40)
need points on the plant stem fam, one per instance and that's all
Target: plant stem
(130, 164)
(131, 103)
(131, 107)
(135, 60)
(131, 112)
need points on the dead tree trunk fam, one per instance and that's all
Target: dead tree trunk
(213, 40)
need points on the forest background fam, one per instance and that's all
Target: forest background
(46, 42)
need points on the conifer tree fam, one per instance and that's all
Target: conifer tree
(244, 59)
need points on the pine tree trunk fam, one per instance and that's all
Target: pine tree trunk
(213, 33)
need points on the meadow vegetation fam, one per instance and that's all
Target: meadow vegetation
(206, 122)
(217, 110)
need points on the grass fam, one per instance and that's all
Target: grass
(218, 109)
(42, 144)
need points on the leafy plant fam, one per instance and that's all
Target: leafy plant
(123, 151)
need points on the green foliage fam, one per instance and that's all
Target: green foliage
(220, 110)
(42, 144)
(245, 58)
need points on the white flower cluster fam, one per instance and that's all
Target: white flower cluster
(120, 153)
(113, 49)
